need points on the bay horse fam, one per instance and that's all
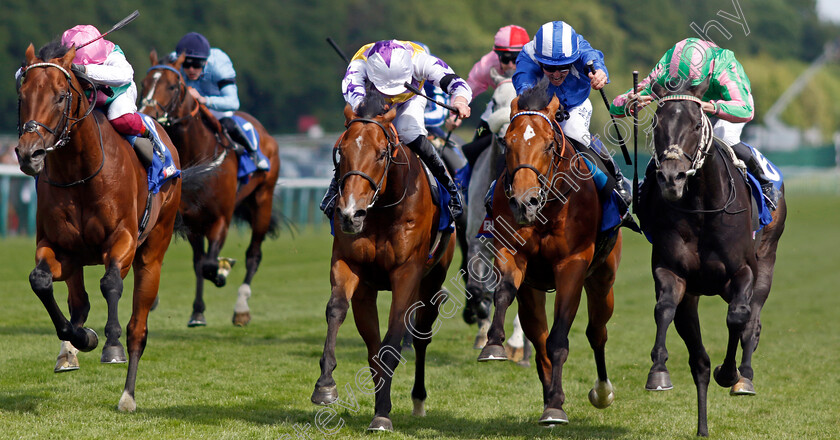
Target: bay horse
(695, 207)
(208, 212)
(94, 208)
(546, 217)
(384, 220)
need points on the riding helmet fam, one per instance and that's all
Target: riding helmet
(194, 45)
(556, 43)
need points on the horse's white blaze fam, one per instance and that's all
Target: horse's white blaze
(156, 78)
(359, 142)
(529, 133)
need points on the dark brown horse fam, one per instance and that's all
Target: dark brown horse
(546, 215)
(385, 221)
(92, 208)
(207, 212)
(695, 206)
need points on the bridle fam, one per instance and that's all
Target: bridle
(64, 125)
(174, 104)
(674, 151)
(556, 149)
(390, 154)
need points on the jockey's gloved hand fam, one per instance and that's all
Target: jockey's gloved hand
(78, 68)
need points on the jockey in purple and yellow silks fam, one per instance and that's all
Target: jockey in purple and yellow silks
(387, 65)
(728, 98)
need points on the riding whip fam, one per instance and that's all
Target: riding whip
(635, 142)
(590, 66)
(117, 26)
(417, 91)
(338, 50)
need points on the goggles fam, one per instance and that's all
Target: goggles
(507, 57)
(194, 63)
(562, 68)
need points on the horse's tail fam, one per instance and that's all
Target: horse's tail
(193, 180)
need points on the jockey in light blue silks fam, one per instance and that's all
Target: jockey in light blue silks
(212, 80)
(560, 54)
(387, 65)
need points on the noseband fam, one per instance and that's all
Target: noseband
(390, 154)
(552, 149)
(676, 152)
(174, 104)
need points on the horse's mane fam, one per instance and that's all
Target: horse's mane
(53, 49)
(535, 98)
(373, 103)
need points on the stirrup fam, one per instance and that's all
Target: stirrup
(771, 195)
(456, 209)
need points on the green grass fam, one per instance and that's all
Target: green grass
(223, 382)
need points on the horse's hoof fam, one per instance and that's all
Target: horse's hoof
(553, 416)
(324, 395)
(127, 403)
(66, 362)
(241, 319)
(744, 387)
(114, 354)
(480, 342)
(225, 265)
(90, 342)
(725, 380)
(514, 354)
(658, 381)
(469, 315)
(602, 394)
(492, 353)
(380, 423)
(419, 407)
(197, 320)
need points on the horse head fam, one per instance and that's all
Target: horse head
(366, 151)
(163, 89)
(530, 143)
(681, 136)
(46, 104)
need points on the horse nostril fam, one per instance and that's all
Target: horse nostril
(533, 201)
(38, 153)
(680, 177)
(360, 213)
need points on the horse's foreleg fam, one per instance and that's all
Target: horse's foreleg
(197, 317)
(600, 302)
(344, 284)
(433, 297)
(568, 282)
(670, 290)
(512, 270)
(260, 225)
(41, 281)
(687, 324)
(111, 285)
(79, 303)
(215, 240)
(535, 326)
(737, 315)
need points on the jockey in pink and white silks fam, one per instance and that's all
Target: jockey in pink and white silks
(561, 54)
(728, 98)
(387, 65)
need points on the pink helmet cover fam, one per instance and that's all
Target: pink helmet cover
(94, 53)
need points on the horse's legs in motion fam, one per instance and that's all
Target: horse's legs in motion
(568, 281)
(432, 297)
(197, 244)
(405, 283)
(41, 281)
(600, 302)
(687, 323)
(669, 292)
(532, 313)
(79, 305)
(260, 206)
(513, 272)
(344, 284)
(146, 266)
(737, 315)
(111, 285)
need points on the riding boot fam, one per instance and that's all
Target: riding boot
(771, 193)
(328, 202)
(239, 137)
(423, 148)
(622, 185)
(146, 148)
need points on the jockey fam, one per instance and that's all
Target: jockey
(486, 74)
(388, 64)
(561, 54)
(104, 63)
(728, 98)
(211, 80)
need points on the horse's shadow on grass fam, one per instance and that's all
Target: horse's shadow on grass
(437, 424)
(22, 402)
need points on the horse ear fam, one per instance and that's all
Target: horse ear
(67, 59)
(700, 89)
(153, 57)
(514, 106)
(30, 54)
(390, 115)
(553, 106)
(349, 114)
(180, 60)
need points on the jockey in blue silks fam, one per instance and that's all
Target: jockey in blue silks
(561, 54)
(212, 80)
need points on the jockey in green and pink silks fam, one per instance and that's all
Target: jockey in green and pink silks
(728, 97)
